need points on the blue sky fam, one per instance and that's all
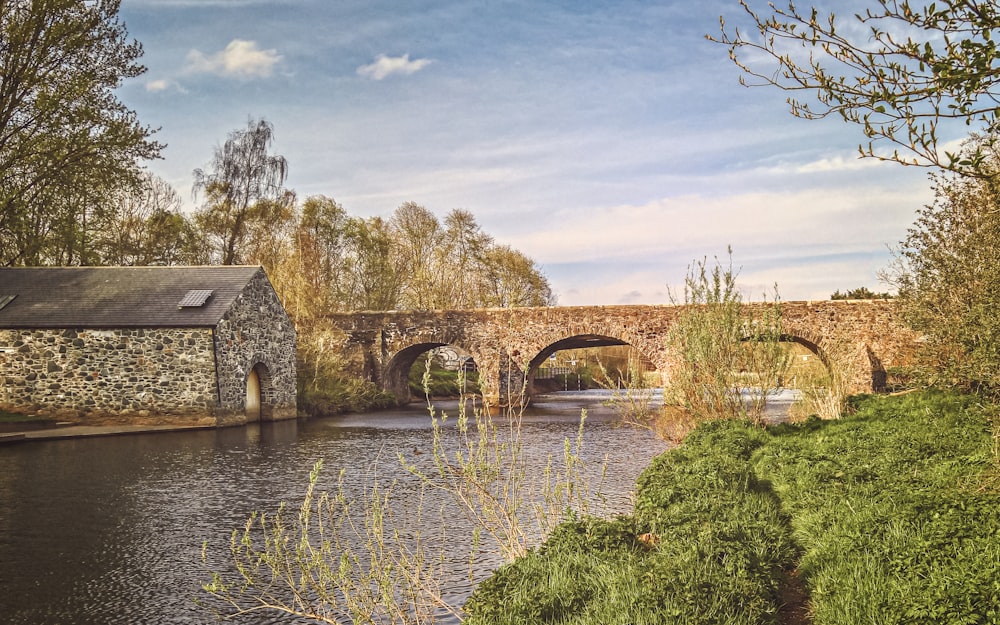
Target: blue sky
(609, 141)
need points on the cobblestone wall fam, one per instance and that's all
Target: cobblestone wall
(256, 331)
(163, 375)
(132, 375)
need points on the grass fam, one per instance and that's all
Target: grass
(889, 515)
(893, 510)
(441, 382)
(17, 417)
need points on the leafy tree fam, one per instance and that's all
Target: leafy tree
(65, 138)
(464, 248)
(313, 274)
(949, 279)
(900, 70)
(372, 279)
(145, 226)
(511, 279)
(421, 242)
(862, 292)
(244, 190)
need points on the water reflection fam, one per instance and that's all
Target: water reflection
(110, 530)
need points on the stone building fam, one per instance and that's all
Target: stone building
(191, 345)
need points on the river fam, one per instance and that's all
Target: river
(111, 530)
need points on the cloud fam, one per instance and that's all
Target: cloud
(161, 85)
(155, 86)
(837, 163)
(631, 297)
(385, 66)
(240, 59)
(845, 219)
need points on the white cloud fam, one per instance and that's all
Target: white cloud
(837, 163)
(385, 66)
(240, 59)
(821, 219)
(155, 86)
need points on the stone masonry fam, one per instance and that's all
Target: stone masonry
(116, 345)
(256, 331)
(125, 372)
(861, 339)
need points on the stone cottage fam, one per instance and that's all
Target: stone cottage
(191, 345)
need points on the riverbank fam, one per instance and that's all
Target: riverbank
(65, 431)
(889, 515)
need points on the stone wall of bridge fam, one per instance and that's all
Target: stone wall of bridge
(861, 339)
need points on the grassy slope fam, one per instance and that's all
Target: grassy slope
(884, 513)
(896, 511)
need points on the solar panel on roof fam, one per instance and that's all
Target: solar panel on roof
(195, 298)
(6, 299)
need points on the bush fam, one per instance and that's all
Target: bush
(948, 277)
(332, 396)
(722, 348)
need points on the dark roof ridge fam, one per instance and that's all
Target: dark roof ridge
(119, 296)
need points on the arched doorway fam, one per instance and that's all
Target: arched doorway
(252, 409)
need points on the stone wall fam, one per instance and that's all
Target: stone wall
(256, 332)
(860, 338)
(133, 375)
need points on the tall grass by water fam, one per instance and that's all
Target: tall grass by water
(888, 515)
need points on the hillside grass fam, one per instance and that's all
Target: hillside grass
(889, 515)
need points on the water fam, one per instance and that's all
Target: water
(110, 530)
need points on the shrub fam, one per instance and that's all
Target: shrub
(722, 349)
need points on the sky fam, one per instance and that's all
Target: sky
(609, 141)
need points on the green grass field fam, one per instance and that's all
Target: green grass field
(889, 515)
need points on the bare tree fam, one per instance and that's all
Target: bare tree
(243, 189)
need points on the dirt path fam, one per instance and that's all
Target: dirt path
(794, 601)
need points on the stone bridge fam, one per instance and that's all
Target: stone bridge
(860, 339)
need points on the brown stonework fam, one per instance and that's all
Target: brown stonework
(130, 353)
(861, 338)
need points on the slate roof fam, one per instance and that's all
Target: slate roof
(117, 297)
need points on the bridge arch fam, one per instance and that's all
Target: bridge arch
(853, 361)
(396, 373)
(859, 338)
(578, 341)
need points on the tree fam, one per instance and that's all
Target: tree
(949, 279)
(65, 138)
(861, 292)
(244, 190)
(904, 74)
(144, 226)
(511, 279)
(421, 240)
(311, 282)
(372, 279)
(464, 247)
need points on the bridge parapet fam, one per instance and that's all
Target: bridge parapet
(859, 338)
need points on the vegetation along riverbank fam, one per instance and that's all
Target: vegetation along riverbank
(888, 515)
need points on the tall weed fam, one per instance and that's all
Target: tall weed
(727, 358)
(368, 559)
